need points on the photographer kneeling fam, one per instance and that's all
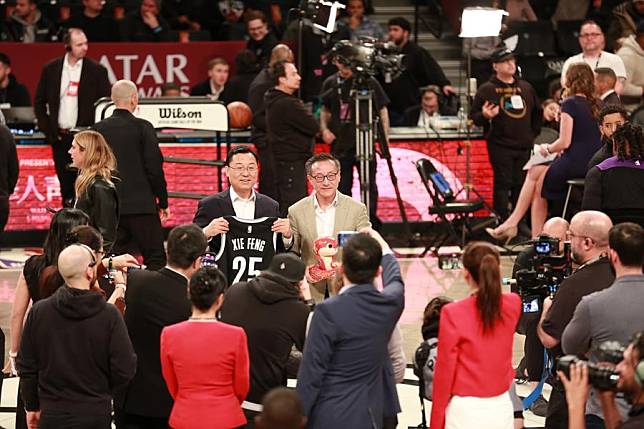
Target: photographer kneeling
(630, 381)
(532, 261)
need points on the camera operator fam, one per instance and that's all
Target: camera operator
(338, 126)
(588, 236)
(596, 320)
(555, 227)
(631, 378)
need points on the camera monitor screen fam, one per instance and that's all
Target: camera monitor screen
(531, 305)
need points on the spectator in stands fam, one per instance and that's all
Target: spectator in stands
(623, 22)
(418, 116)
(181, 13)
(578, 140)
(476, 333)
(259, 134)
(83, 82)
(11, 91)
(345, 379)
(588, 234)
(142, 189)
(611, 117)
(27, 24)
(8, 172)
(551, 112)
(214, 86)
(632, 53)
(274, 317)
(91, 337)
(171, 89)
(612, 314)
(156, 299)
(605, 187)
(591, 40)
(420, 69)
(210, 385)
(291, 129)
(145, 24)
(605, 80)
(95, 190)
(97, 24)
(282, 409)
(246, 68)
(512, 127)
(224, 19)
(358, 24)
(261, 40)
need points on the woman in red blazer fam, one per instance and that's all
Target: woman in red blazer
(474, 366)
(205, 362)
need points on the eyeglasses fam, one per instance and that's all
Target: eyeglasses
(240, 168)
(587, 35)
(319, 178)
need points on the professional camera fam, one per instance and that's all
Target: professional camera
(600, 375)
(369, 57)
(548, 272)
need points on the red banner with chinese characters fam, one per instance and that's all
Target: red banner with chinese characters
(149, 65)
(38, 186)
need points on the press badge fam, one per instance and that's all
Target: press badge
(517, 102)
(72, 89)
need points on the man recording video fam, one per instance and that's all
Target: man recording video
(588, 235)
(630, 381)
(527, 261)
(596, 320)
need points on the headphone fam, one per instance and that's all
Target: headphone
(67, 40)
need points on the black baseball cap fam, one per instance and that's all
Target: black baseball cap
(501, 54)
(286, 266)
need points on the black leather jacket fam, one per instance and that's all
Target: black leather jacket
(101, 204)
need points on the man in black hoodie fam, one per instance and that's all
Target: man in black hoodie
(274, 317)
(509, 111)
(75, 351)
(291, 129)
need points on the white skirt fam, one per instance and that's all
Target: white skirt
(468, 412)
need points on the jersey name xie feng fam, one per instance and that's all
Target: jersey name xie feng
(247, 248)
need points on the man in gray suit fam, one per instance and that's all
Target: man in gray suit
(324, 213)
(346, 378)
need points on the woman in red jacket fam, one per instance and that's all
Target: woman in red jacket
(205, 362)
(474, 366)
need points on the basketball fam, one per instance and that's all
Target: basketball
(240, 114)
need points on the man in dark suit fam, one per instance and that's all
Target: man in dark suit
(65, 97)
(156, 299)
(240, 200)
(346, 377)
(142, 192)
(605, 80)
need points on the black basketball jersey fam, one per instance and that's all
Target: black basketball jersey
(247, 248)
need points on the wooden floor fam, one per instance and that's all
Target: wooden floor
(423, 281)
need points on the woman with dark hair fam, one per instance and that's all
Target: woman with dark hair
(205, 362)
(616, 185)
(474, 368)
(578, 140)
(95, 190)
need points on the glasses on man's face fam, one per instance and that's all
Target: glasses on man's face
(571, 234)
(319, 178)
(250, 169)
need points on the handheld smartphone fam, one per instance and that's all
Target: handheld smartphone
(344, 236)
(208, 260)
(531, 304)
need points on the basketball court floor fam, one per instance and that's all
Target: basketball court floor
(423, 281)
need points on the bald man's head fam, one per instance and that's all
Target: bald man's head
(589, 235)
(124, 94)
(282, 410)
(75, 265)
(556, 227)
(280, 52)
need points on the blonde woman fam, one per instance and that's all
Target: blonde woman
(94, 187)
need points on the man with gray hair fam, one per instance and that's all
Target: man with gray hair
(588, 235)
(142, 192)
(75, 351)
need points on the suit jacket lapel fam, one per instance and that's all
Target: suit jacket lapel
(227, 203)
(85, 80)
(309, 210)
(58, 72)
(338, 224)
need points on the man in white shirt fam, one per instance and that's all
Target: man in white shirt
(240, 199)
(68, 87)
(218, 72)
(324, 213)
(592, 42)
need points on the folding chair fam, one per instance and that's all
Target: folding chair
(444, 204)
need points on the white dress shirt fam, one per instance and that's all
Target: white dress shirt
(325, 218)
(214, 94)
(69, 85)
(244, 208)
